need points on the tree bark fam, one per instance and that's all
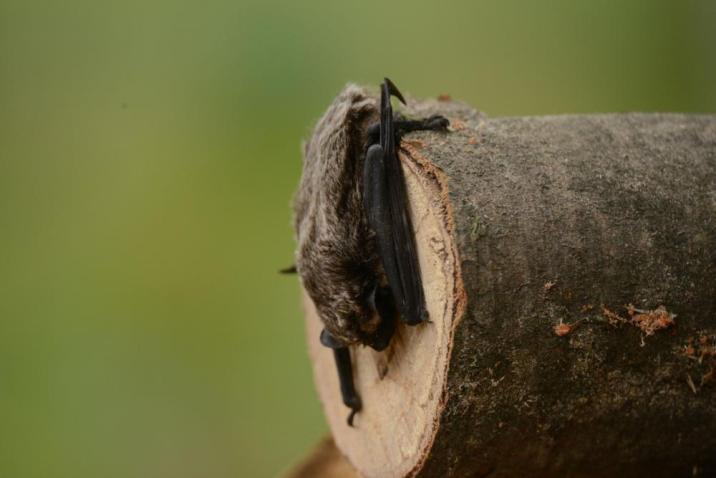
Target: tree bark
(569, 264)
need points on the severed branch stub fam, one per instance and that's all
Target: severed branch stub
(324, 461)
(617, 213)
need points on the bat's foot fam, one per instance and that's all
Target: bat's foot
(355, 407)
(437, 123)
(342, 357)
(431, 123)
(404, 126)
(349, 420)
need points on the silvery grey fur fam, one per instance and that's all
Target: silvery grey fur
(336, 256)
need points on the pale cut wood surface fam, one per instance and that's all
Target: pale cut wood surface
(401, 387)
(323, 461)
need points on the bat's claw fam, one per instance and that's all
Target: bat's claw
(355, 407)
(393, 90)
(437, 122)
(349, 420)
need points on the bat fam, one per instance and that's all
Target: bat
(356, 253)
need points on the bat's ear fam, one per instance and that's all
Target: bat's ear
(393, 90)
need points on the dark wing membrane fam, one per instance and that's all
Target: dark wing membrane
(412, 302)
(387, 208)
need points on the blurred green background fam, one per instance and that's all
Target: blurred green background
(148, 154)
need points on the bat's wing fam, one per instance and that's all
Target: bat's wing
(288, 270)
(387, 208)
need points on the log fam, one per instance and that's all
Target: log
(569, 265)
(323, 461)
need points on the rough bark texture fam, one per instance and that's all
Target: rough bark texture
(560, 223)
(614, 210)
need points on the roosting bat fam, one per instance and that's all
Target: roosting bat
(356, 253)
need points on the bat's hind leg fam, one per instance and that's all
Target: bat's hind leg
(342, 356)
(404, 126)
(431, 123)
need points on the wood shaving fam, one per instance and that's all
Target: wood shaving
(417, 143)
(562, 329)
(613, 318)
(649, 321)
(457, 125)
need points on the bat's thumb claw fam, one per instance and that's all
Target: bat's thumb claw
(393, 90)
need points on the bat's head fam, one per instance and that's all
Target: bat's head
(342, 291)
(336, 256)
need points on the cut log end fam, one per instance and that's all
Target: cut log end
(402, 387)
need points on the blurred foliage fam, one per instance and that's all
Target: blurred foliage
(148, 153)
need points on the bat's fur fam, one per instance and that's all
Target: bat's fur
(337, 257)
